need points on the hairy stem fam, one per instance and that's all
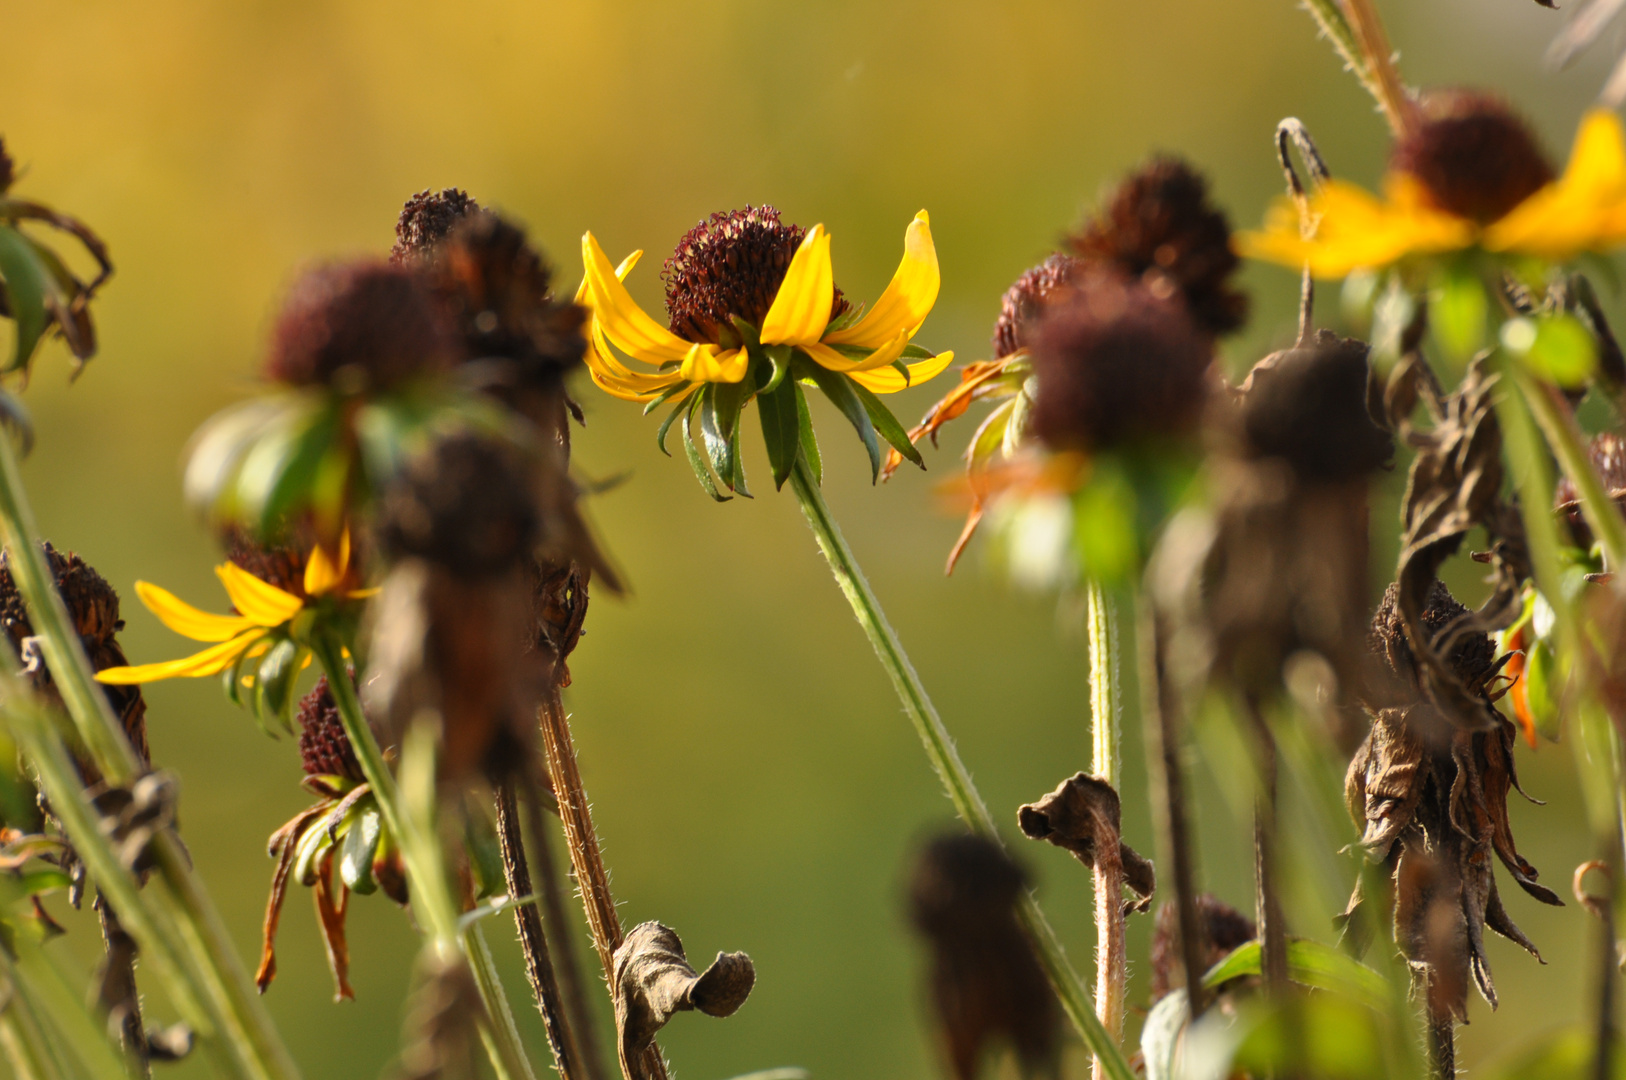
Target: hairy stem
(1382, 78)
(956, 779)
(1106, 722)
(1267, 896)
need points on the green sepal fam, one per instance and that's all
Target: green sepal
(886, 424)
(839, 389)
(912, 351)
(312, 843)
(780, 357)
(697, 461)
(25, 285)
(356, 853)
(666, 425)
(777, 409)
(737, 481)
(273, 684)
(719, 427)
(663, 397)
(805, 436)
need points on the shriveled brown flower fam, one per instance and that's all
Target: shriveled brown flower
(654, 981)
(426, 219)
(1026, 298)
(1307, 406)
(360, 325)
(1224, 930)
(465, 507)
(1475, 157)
(1082, 815)
(1159, 226)
(442, 1029)
(1116, 363)
(730, 266)
(986, 985)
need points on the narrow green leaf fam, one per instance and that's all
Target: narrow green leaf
(26, 286)
(697, 462)
(839, 389)
(805, 436)
(665, 396)
(886, 424)
(274, 682)
(681, 408)
(780, 430)
(1312, 964)
(719, 448)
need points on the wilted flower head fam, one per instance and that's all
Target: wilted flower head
(359, 325)
(1475, 157)
(1307, 406)
(426, 219)
(1159, 225)
(986, 985)
(466, 508)
(1116, 363)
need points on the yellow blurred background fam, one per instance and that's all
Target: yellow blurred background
(755, 782)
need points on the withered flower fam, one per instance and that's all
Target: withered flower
(653, 981)
(426, 219)
(1082, 815)
(1225, 929)
(986, 985)
(442, 1034)
(1432, 799)
(345, 826)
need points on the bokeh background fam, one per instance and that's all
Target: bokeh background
(754, 780)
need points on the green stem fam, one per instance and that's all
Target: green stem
(1075, 998)
(421, 853)
(22, 1039)
(1106, 722)
(1557, 423)
(1106, 693)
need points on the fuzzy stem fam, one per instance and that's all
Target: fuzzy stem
(431, 892)
(1106, 721)
(1161, 721)
(22, 1038)
(533, 941)
(956, 779)
(119, 989)
(585, 858)
(1267, 898)
(1382, 78)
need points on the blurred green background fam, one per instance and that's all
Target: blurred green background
(754, 780)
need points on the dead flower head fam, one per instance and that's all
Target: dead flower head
(986, 985)
(654, 981)
(1224, 930)
(1432, 800)
(426, 219)
(442, 1037)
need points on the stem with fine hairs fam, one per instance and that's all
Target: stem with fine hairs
(1267, 895)
(1106, 721)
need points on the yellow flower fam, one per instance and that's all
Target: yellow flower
(799, 318)
(265, 613)
(1582, 210)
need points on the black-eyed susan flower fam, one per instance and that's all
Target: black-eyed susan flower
(263, 645)
(754, 312)
(1468, 176)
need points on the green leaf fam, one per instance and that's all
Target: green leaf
(485, 859)
(309, 449)
(886, 424)
(312, 843)
(666, 425)
(737, 481)
(697, 462)
(1313, 964)
(40, 882)
(1555, 347)
(1458, 313)
(26, 286)
(839, 389)
(780, 357)
(1160, 1036)
(806, 437)
(356, 853)
(776, 409)
(1541, 683)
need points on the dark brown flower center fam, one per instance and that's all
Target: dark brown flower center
(324, 746)
(427, 219)
(1026, 297)
(730, 265)
(1474, 155)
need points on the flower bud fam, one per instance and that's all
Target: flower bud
(1475, 157)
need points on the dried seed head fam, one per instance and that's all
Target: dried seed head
(426, 219)
(1308, 406)
(1116, 362)
(1475, 157)
(466, 506)
(1026, 298)
(324, 747)
(1159, 225)
(495, 285)
(1472, 659)
(361, 322)
(1608, 453)
(730, 265)
(8, 169)
(1224, 929)
(986, 985)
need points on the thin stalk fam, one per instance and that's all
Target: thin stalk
(592, 877)
(82, 1044)
(1382, 78)
(1161, 721)
(1267, 888)
(1557, 424)
(431, 892)
(532, 939)
(956, 779)
(119, 991)
(212, 978)
(1106, 722)
(23, 1041)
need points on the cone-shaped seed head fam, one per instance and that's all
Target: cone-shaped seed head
(426, 219)
(1474, 155)
(324, 747)
(1026, 298)
(1308, 406)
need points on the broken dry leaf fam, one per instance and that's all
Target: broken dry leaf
(1082, 815)
(653, 980)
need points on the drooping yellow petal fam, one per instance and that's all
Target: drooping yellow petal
(322, 573)
(827, 357)
(623, 321)
(1585, 209)
(260, 602)
(801, 308)
(909, 297)
(187, 620)
(708, 363)
(890, 380)
(211, 661)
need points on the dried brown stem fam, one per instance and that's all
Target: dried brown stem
(1267, 896)
(1602, 905)
(533, 941)
(118, 995)
(591, 876)
(1397, 105)
(1111, 954)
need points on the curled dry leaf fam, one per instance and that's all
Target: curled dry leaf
(653, 980)
(1082, 815)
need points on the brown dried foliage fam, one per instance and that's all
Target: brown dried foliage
(654, 981)
(1083, 816)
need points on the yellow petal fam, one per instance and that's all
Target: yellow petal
(801, 307)
(1356, 230)
(889, 380)
(261, 603)
(1583, 210)
(187, 620)
(708, 363)
(909, 297)
(623, 321)
(827, 357)
(321, 572)
(211, 661)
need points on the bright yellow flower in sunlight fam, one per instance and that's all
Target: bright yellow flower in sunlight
(751, 301)
(263, 625)
(1583, 210)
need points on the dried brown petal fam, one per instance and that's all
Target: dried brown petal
(426, 219)
(1224, 930)
(653, 980)
(985, 983)
(1475, 157)
(1082, 816)
(283, 845)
